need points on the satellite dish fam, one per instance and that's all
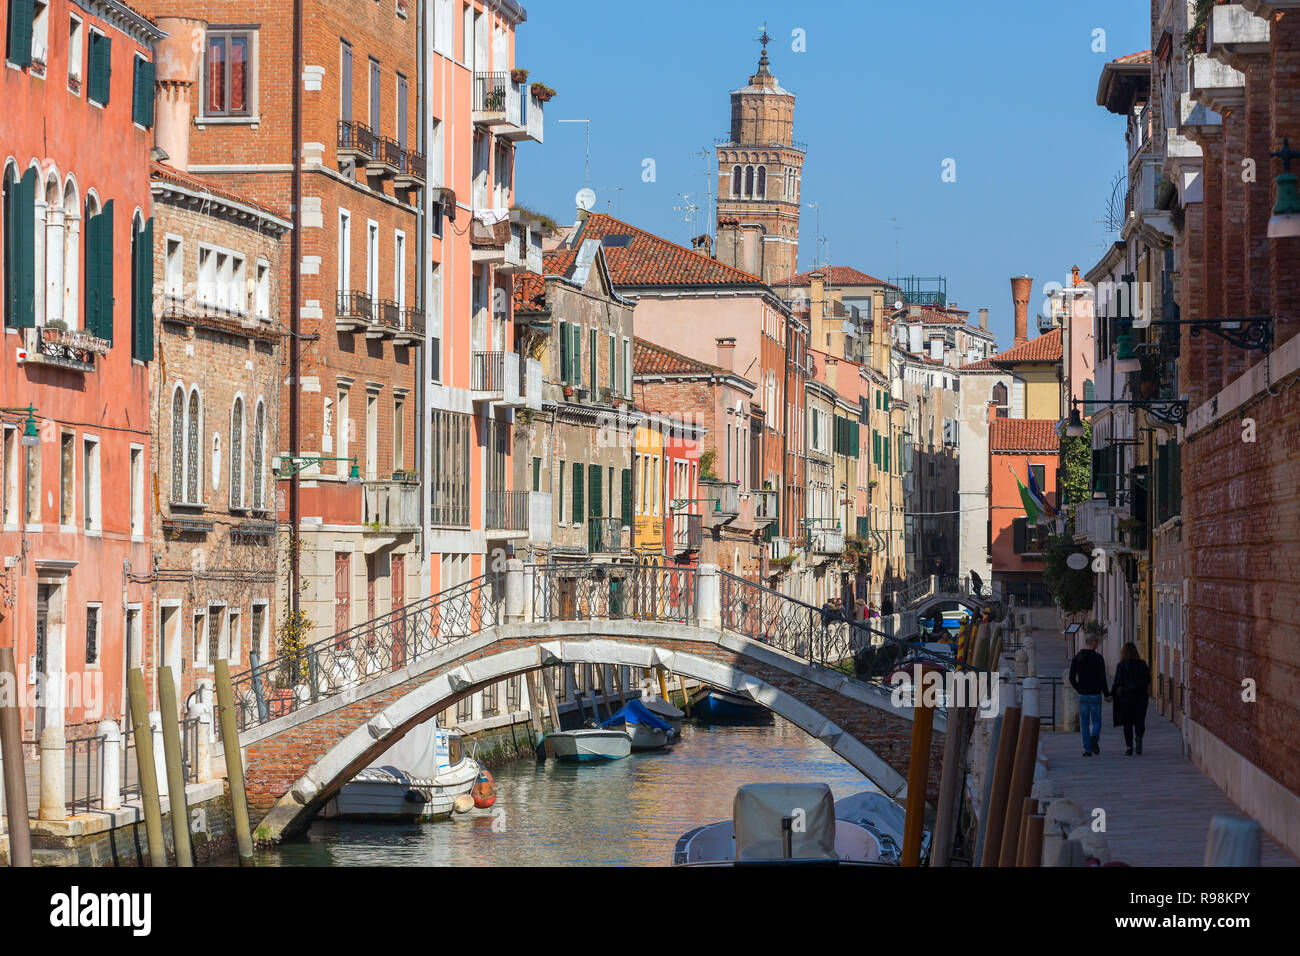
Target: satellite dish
(898, 304)
(1077, 561)
(585, 199)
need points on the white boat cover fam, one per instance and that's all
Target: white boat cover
(759, 809)
(413, 754)
(875, 809)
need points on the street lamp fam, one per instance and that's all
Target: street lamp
(1285, 223)
(31, 435)
(298, 462)
(1075, 428)
(1126, 359)
(1172, 411)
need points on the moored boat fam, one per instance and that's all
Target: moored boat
(713, 704)
(416, 780)
(647, 730)
(590, 744)
(665, 711)
(763, 831)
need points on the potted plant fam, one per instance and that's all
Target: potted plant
(568, 391)
(541, 92)
(518, 76)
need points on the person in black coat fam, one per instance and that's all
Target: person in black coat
(1129, 691)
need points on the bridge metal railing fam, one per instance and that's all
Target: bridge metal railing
(633, 592)
(324, 668)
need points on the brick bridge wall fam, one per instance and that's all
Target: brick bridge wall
(274, 764)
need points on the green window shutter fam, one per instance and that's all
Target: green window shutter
(885, 455)
(594, 503)
(20, 252)
(563, 370)
(101, 68)
(537, 474)
(577, 492)
(575, 355)
(99, 273)
(1018, 535)
(142, 314)
(627, 497)
(595, 362)
(20, 32)
(142, 99)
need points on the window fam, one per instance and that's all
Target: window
(345, 251)
(735, 182)
(192, 460)
(399, 269)
(401, 112)
(343, 466)
(67, 478)
(217, 646)
(9, 476)
(609, 372)
(449, 479)
(345, 81)
(142, 289)
(627, 367)
(257, 475)
(372, 435)
(262, 293)
(173, 270)
(92, 633)
(40, 36)
(101, 65)
(749, 182)
(142, 93)
(19, 247)
(236, 621)
(399, 436)
(372, 260)
(90, 485)
(228, 73)
(561, 495)
(237, 454)
(375, 115)
(74, 54)
(257, 635)
(199, 650)
(761, 193)
(137, 491)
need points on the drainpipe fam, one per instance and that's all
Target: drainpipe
(295, 313)
(424, 256)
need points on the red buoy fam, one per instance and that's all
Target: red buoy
(484, 790)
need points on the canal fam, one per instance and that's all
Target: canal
(628, 812)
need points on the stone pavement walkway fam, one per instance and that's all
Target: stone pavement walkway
(1159, 805)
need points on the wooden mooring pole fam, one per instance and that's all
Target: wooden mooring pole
(918, 772)
(995, 810)
(234, 762)
(11, 755)
(171, 733)
(145, 767)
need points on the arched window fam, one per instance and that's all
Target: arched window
(762, 183)
(749, 182)
(735, 182)
(259, 450)
(192, 459)
(49, 254)
(71, 254)
(178, 444)
(237, 454)
(1000, 399)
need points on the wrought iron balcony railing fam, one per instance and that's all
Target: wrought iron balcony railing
(356, 139)
(604, 535)
(487, 372)
(506, 510)
(354, 309)
(688, 533)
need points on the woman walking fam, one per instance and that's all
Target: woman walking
(1132, 679)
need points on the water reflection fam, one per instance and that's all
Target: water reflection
(629, 812)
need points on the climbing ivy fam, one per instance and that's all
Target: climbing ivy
(1076, 470)
(1072, 590)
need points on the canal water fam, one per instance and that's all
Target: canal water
(627, 812)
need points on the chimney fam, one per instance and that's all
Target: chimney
(726, 354)
(177, 59)
(1021, 287)
(703, 245)
(984, 320)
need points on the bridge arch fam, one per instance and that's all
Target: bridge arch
(297, 762)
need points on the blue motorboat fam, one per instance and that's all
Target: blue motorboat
(647, 730)
(720, 706)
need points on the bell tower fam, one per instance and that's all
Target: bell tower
(759, 173)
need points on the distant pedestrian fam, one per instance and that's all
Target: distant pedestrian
(827, 610)
(1132, 679)
(873, 611)
(859, 610)
(1088, 678)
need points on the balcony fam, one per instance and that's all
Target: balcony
(780, 549)
(1216, 85)
(354, 312)
(355, 142)
(604, 535)
(514, 255)
(67, 348)
(506, 514)
(527, 382)
(391, 507)
(498, 104)
(534, 120)
(388, 321)
(412, 330)
(765, 508)
(540, 505)
(1098, 522)
(494, 376)
(1233, 33)
(388, 158)
(825, 536)
(688, 533)
(414, 171)
(720, 501)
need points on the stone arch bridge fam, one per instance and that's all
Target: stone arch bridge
(308, 722)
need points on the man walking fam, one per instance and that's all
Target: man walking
(1088, 678)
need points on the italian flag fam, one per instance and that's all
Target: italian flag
(1036, 509)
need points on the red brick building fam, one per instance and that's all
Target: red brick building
(78, 349)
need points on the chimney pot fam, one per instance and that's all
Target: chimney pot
(1021, 288)
(726, 353)
(178, 58)
(984, 320)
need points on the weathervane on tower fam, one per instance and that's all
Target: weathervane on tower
(765, 40)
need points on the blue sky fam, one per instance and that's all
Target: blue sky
(885, 93)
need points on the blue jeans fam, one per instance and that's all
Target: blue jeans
(1089, 718)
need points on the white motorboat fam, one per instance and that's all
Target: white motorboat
(665, 711)
(648, 730)
(415, 780)
(884, 817)
(588, 744)
(779, 824)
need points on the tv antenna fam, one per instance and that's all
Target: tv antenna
(898, 255)
(709, 177)
(691, 209)
(619, 190)
(586, 181)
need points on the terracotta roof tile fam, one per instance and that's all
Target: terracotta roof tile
(983, 365)
(529, 293)
(1023, 435)
(1142, 56)
(651, 359)
(170, 174)
(1045, 348)
(644, 259)
(836, 276)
